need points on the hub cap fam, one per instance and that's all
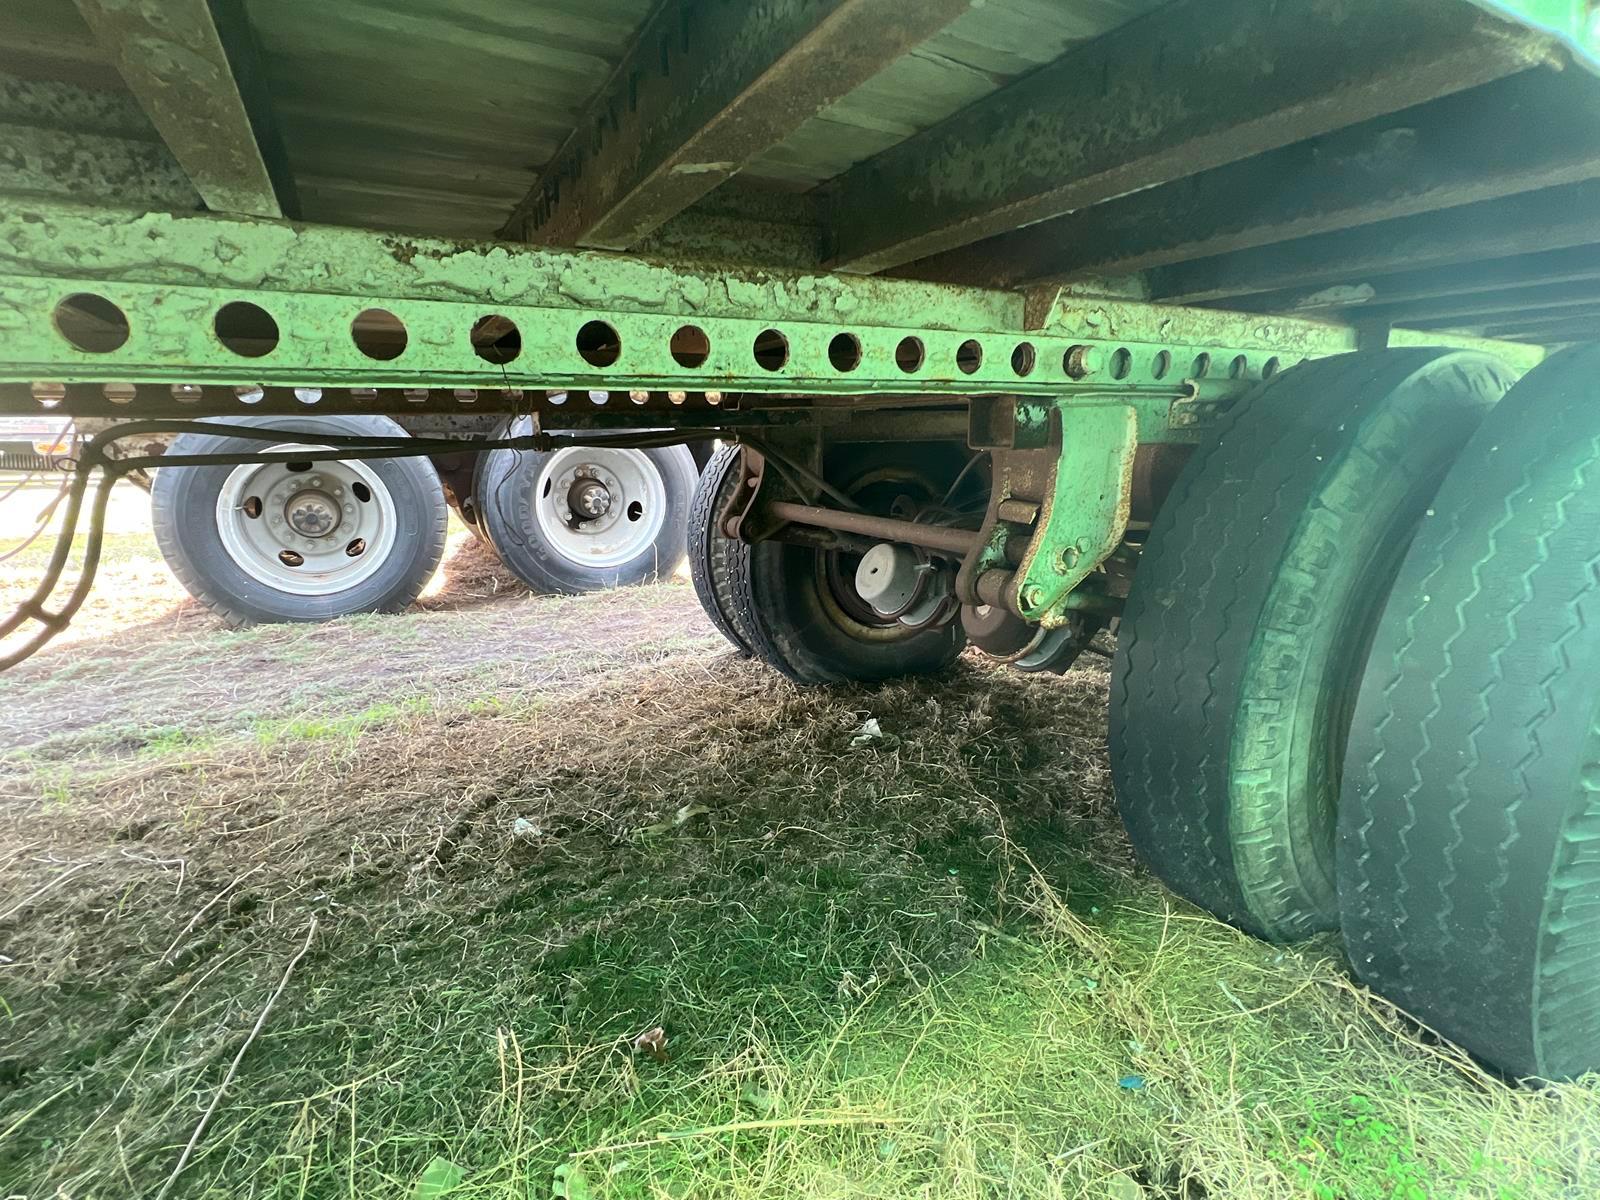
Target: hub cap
(590, 499)
(600, 507)
(309, 528)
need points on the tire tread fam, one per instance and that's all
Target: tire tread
(1446, 819)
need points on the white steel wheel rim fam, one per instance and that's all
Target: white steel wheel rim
(636, 506)
(338, 519)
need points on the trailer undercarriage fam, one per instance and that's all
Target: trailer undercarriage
(1019, 322)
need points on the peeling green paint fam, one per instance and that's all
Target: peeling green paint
(171, 275)
(70, 108)
(1085, 515)
(162, 248)
(80, 166)
(171, 57)
(1291, 339)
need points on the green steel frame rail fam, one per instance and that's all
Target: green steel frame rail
(117, 299)
(140, 315)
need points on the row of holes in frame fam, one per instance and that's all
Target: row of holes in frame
(50, 394)
(93, 324)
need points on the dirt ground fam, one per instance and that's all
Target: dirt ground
(162, 662)
(519, 896)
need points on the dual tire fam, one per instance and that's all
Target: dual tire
(794, 606)
(1358, 687)
(326, 537)
(299, 541)
(529, 505)
(1469, 824)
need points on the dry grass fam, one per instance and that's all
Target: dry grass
(920, 965)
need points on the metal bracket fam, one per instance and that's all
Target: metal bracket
(1085, 512)
(741, 505)
(1065, 496)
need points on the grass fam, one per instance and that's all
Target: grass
(343, 727)
(918, 965)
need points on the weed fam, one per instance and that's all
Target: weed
(173, 740)
(55, 793)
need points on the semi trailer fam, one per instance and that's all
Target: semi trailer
(1256, 333)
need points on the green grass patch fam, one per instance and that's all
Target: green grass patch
(173, 740)
(922, 965)
(338, 727)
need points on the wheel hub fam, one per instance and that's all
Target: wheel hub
(312, 513)
(599, 507)
(589, 498)
(904, 584)
(309, 529)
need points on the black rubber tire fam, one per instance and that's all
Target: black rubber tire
(1242, 645)
(712, 553)
(1469, 825)
(798, 627)
(505, 498)
(183, 513)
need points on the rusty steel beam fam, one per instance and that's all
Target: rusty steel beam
(1568, 265)
(243, 52)
(1453, 312)
(86, 167)
(1189, 87)
(705, 89)
(1543, 318)
(1537, 129)
(173, 57)
(1550, 219)
(71, 108)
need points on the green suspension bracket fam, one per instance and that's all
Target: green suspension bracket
(1084, 514)
(1060, 503)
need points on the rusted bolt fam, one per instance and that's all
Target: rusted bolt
(1032, 596)
(1019, 512)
